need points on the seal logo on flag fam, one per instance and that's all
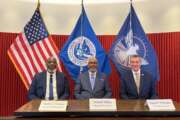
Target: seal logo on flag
(80, 49)
(127, 46)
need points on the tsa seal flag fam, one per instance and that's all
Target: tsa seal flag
(132, 40)
(82, 44)
(79, 50)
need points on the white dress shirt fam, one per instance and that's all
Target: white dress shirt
(54, 85)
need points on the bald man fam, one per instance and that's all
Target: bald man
(92, 84)
(50, 84)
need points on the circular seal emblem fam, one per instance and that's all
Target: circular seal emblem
(80, 49)
(125, 47)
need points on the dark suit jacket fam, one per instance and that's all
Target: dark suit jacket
(101, 89)
(38, 86)
(129, 89)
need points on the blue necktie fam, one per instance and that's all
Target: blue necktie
(92, 80)
(51, 88)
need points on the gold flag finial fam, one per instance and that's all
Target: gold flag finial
(38, 5)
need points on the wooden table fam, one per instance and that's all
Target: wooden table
(79, 109)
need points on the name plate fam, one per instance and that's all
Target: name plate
(58, 106)
(102, 105)
(160, 105)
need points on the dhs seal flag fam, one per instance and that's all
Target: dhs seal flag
(81, 45)
(132, 40)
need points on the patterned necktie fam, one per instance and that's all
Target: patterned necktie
(92, 80)
(137, 80)
(51, 87)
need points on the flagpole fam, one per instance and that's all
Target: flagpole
(38, 7)
(130, 28)
(81, 67)
(130, 15)
(81, 17)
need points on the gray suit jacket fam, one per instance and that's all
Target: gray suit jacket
(83, 88)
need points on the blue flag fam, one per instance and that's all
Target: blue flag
(82, 44)
(132, 40)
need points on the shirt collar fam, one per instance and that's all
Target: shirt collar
(136, 72)
(90, 73)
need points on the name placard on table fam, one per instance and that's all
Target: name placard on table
(160, 105)
(102, 105)
(51, 105)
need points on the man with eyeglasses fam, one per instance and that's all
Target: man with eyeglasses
(92, 83)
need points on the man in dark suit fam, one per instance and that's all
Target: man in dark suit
(136, 83)
(92, 84)
(50, 84)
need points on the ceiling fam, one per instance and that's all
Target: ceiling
(106, 16)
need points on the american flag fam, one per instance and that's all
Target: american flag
(31, 49)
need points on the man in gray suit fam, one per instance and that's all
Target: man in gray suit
(92, 84)
(50, 84)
